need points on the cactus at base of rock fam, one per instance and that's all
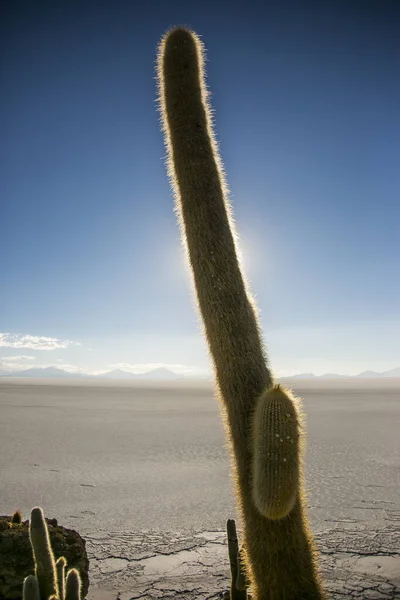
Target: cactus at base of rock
(276, 435)
(61, 564)
(45, 568)
(16, 519)
(73, 585)
(281, 561)
(31, 588)
(49, 581)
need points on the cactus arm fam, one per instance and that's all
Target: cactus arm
(43, 555)
(276, 461)
(31, 588)
(281, 560)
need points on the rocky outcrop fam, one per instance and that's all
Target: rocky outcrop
(16, 561)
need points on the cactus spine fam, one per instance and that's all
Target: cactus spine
(45, 569)
(281, 561)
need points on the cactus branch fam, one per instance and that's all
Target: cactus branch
(276, 461)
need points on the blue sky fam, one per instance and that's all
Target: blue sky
(306, 97)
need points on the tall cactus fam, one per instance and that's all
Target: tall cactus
(281, 560)
(45, 568)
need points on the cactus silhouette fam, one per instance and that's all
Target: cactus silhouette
(281, 561)
(49, 582)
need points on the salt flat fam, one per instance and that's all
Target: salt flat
(151, 455)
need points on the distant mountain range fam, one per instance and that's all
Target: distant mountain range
(163, 374)
(160, 373)
(55, 372)
(363, 375)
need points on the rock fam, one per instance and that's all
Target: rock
(16, 560)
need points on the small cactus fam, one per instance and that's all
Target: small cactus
(238, 588)
(61, 564)
(73, 585)
(16, 518)
(31, 588)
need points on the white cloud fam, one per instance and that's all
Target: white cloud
(34, 342)
(145, 367)
(16, 358)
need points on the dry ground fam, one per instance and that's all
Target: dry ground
(141, 470)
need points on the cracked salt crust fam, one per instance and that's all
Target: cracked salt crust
(356, 564)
